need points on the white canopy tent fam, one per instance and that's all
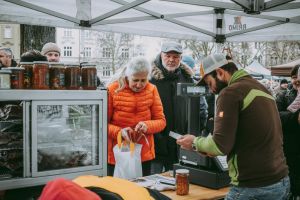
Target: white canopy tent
(205, 20)
(257, 68)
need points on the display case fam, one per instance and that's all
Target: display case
(46, 134)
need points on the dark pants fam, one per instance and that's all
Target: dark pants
(146, 167)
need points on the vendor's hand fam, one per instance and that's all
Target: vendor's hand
(186, 141)
(126, 133)
(141, 127)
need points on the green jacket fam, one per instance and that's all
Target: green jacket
(248, 130)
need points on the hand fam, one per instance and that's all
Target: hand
(186, 141)
(126, 133)
(141, 127)
(299, 118)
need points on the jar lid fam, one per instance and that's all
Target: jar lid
(71, 65)
(26, 63)
(40, 62)
(88, 66)
(182, 171)
(56, 64)
(5, 71)
(15, 68)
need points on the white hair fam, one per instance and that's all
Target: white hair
(135, 65)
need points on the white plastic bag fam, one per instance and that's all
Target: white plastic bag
(128, 164)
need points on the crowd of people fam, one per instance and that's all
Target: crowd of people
(259, 131)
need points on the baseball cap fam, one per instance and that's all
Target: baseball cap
(171, 46)
(211, 63)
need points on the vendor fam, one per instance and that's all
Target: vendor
(247, 130)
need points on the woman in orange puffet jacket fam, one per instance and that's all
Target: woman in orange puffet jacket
(134, 109)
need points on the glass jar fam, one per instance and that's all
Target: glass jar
(5, 79)
(40, 75)
(57, 76)
(17, 77)
(89, 77)
(72, 77)
(27, 66)
(182, 181)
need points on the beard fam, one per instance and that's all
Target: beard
(220, 85)
(170, 69)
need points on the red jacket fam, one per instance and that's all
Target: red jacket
(126, 108)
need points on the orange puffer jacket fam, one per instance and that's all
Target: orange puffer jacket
(127, 108)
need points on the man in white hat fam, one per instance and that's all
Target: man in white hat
(51, 51)
(247, 129)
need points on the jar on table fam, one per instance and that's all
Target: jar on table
(57, 76)
(182, 181)
(72, 76)
(17, 77)
(5, 79)
(89, 77)
(40, 75)
(27, 66)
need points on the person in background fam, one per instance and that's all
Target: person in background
(295, 105)
(167, 71)
(189, 60)
(291, 130)
(6, 58)
(283, 87)
(32, 55)
(257, 165)
(134, 109)
(51, 51)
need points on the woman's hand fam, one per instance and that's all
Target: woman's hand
(126, 133)
(141, 127)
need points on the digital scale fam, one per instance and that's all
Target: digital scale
(211, 172)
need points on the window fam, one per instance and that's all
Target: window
(87, 52)
(67, 33)
(106, 71)
(87, 34)
(106, 53)
(7, 32)
(125, 53)
(67, 51)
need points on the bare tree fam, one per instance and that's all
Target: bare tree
(115, 48)
(199, 49)
(34, 37)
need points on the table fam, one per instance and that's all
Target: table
(197, 192)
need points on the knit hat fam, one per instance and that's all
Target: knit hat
(283, 81)
(50, 46)
(62, 189)
(189, 60)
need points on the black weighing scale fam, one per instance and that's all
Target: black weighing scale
(211, 172)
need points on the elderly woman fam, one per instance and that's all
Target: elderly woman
(134, 109)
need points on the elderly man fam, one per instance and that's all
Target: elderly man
(247, 130)
(51, 51)
(167, 71)
(6, 58)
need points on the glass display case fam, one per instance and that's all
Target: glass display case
(49, 134)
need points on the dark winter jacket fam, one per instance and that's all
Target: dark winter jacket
(291, 137)
(175, 107)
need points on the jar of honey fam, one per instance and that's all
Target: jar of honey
(72, 77)
(27, 66)
(89, 77)
(57, 76)
(40, 75)
(5, 79)
(182, 181)
(17, 77)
